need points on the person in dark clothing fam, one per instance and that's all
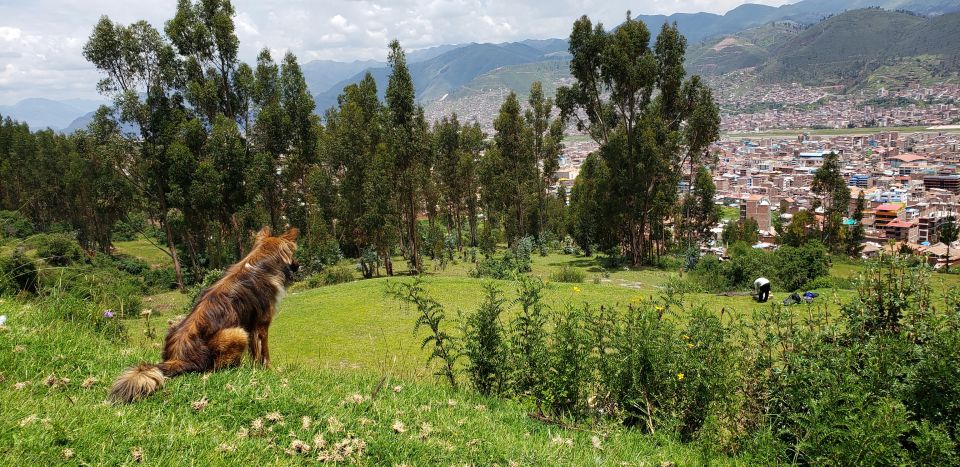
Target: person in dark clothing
(762, 287)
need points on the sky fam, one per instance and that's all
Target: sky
(41, 40)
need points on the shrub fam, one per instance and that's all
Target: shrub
(483, 343)
(565, 389)
(569, 247)
(130, 264)
(128, 229)
(506, 266)
(528, 341)
(523, 249)
(58, 249)
(102, 287)
(330, 276)
(17, 274)
(316, 256)
(161, 278)
(14, 224)
(568, 274)
(489, 237)
(797, 266)
(430, 315)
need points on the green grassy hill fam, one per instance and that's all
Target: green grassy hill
(349, 381)
(54, 377)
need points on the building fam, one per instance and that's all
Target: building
(929, 227)
(859, 180)
(901, 231)
(756, 207)
(950, 183)
(887, 213)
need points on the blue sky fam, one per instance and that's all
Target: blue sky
(41, 40)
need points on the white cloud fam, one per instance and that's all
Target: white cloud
(9, 34)
(41, 41)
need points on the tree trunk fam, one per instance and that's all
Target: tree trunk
(170, 245)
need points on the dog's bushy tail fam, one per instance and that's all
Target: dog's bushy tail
(136, 383)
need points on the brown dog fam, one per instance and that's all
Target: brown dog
(231, 316)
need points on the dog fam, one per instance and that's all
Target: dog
(229, 318)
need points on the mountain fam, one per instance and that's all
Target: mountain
(846, 48)
(321, 74)
(48, 113)
(745, 49)
(443, 74)
(699, 26)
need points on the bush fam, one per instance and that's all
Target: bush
(129, 229)
(569, 247)
(315, 257)
(330, 276)
(523, 250)
(17, 274)
(130, 264)
(876, 386)
(161, 278)
(798, 266)
(105, 288)
(58, 249)
(568, 274)
(483, 343)
(16, 225)
(512, 262)
(790, 268)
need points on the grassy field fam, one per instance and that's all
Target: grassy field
(54, 377)
(349, 383)
(145, 250)
(357, 328)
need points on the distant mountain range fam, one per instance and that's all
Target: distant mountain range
(812, 41)
(700, 26)
(844, 49)
(437, 77)
(48, 113)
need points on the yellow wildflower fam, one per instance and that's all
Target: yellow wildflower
(689, 346)
(686, 337)
(576, 290)
(679, 376)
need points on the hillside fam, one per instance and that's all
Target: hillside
(42, 113)
(700, 26)
(856, 49)
(443, 74)
(746, 49)
(55, 374)
(844, 49)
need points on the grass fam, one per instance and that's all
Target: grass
(354, 327)
(331, 347)
(141, 248)
(54, 377)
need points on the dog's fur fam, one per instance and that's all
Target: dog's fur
(231, 316)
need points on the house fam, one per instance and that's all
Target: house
(756, 207)
(897, 161)
(886, 213)
(901, 231)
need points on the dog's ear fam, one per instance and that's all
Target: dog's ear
(263, 234)
(291, 234)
